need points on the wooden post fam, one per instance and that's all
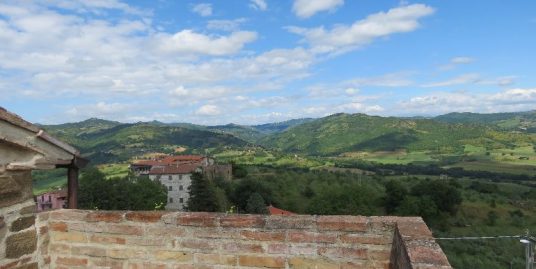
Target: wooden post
(72, 186)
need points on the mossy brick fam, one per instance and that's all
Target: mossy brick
(22, 224)
(20, 244)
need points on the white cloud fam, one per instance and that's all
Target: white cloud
(456, 61)
(308, 8)
(208, 110)
(188, 41)
(444, 102)
(225, 25)
(258, 5)
(203, 9)
(462, 79)
(343, 38)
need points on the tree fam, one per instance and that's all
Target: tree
(126, 193)
(256, 204)
(492, 218)
(202, 195)
(245, 188)
(395, 193)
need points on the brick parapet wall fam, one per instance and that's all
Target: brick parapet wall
(101, 239)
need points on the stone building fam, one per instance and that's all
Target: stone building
(175, 172)
(70, 238)
(51, 200)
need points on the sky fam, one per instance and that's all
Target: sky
(258, 61)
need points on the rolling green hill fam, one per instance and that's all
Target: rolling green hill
(120, 142)
(340, 133)
(514, 121)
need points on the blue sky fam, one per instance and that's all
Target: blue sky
(257, 61)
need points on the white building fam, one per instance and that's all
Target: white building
(177, 180)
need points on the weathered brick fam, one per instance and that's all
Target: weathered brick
(106, 263)
(68, 215)
(414, 230)
(88, 251)
(290, 222)
(58, 226)
(105, 216)
(126, 253)
(309, 263)
(22, 223)
(146, 265)
(57, 248)
(236, 247)
(261, 261)
(198, 219)
(215, 259)
(278, 248)
(148, 216)
(107, 239)
(342, 223)
(32, 265)
(167, 231)
(216, 233)
(249, 221)
(20, 244)
(69, 237)
(31, 209)
(198, 244)
(309, 249)
(310, 237)
(123, 229)
(43, 230)
(71, 261)
(342, 252)
(263, 236)
(176, 256)
(366, 239)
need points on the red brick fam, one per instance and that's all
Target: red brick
(379, 255)
(106, 262)
(104, 216)
(342, 223)
(310, 249)
(198, 219)
(414, 230)
(58, 226)
(56, 248)
(123, 229)
(259, 261)
(71, 261)
(263, 236)
(107, 239)
(229, 260)
(235, 247)
(309, 237)
(150, 216)
(246, 221)
(43, 230)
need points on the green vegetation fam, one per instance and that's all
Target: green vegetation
(127, 193)
(514, 121)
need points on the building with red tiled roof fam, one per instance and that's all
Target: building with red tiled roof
(175, 171)
(277, 211)
(51, 200)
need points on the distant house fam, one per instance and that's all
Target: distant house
(174, 172)
(51, 200)
(277, 211)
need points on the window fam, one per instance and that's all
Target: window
(49, 199)
(169, 177)
(180, 177)
(181, 200)
(42, 198)
(170, 188)
(170, 200)
(180, 187)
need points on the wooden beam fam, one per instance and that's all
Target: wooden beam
(72, 187)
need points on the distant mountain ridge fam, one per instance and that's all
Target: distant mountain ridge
(104, 141)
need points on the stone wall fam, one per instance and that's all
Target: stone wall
(101, 239)
(18, 237)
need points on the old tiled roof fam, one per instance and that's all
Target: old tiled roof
(169, 160)
(174, 169)
(276, 211)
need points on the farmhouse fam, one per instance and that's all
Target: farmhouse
(175, 172)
